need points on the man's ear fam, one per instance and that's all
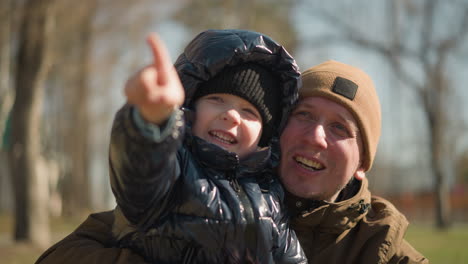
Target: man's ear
(360, 174)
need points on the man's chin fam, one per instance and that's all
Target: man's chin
(303, 192)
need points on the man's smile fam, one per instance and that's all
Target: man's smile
(308, 164)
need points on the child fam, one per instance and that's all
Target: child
(206, 195)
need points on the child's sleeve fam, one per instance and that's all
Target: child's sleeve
(287, 248)
(143, 163)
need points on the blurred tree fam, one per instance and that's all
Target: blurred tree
(73, 53)
(6, 98)
(94, 39)
(420, 40)
(462, 168)
(271, 17)
(32, 64)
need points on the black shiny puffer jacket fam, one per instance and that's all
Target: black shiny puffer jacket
(197, 203)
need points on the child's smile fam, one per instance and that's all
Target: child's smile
(228, 121)
(223, 137)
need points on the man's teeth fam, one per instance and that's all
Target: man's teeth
(223, 137)
(309, 163)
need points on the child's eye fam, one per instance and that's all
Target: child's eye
(252, 113)
(214, 98)
(302, 113)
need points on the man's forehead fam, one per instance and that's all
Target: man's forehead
(312, 101)
(342, 112)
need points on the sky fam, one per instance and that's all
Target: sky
(404, 137)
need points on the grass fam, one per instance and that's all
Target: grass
(23, 253)
(440, 247)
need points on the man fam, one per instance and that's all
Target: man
(327, 146)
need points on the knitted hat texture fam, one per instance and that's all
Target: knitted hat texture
(353, 89)
(253, 83)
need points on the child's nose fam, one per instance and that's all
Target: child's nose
(231, 115)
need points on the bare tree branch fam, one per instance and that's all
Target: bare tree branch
(453, 41)
(391, 52)
(426, 34)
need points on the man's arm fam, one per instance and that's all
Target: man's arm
(92, 242)
(408, 255)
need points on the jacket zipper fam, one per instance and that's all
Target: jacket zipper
(234, 182)
(250, 232)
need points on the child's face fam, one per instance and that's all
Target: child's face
(229, 122)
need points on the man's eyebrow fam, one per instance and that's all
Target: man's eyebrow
(304, 105)
(353, 125)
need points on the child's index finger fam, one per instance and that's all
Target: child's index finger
(161, 58)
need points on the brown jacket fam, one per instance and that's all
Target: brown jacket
(349, 231)
(361, 229)
(91, 243)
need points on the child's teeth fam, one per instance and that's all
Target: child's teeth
(223, 137)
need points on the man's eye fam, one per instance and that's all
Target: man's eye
(341, 129)
(302, 114)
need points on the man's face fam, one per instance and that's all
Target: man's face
(320, 149)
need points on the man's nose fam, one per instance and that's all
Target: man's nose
(231, 115)
(316, 135)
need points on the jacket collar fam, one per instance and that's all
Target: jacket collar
(332, 217)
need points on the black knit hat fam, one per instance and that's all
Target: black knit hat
(253, 83)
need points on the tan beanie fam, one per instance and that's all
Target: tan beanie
(353, 89)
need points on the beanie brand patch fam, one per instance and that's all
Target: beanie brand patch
(345, 87)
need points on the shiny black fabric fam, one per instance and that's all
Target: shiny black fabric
(211, 51)
(197, 203)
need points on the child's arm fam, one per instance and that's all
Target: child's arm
(287, 249)
(156, 89)
(143, 169)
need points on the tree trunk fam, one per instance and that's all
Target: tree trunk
(443, 208)
(30, 187)
(6, 94)
(435, 113)
(441, 190)
(6, 101)
(77, 185)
